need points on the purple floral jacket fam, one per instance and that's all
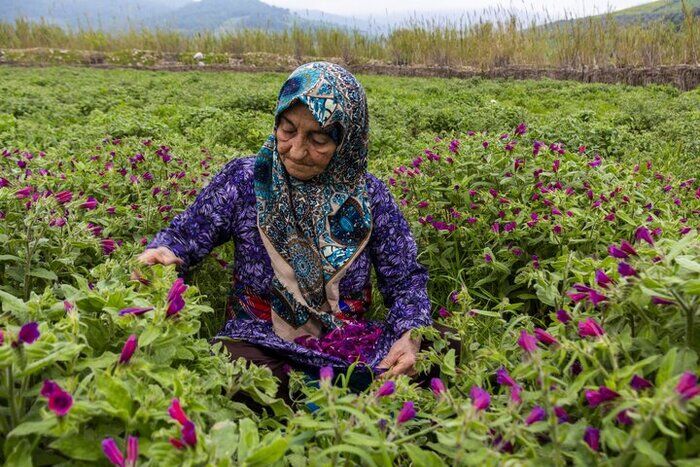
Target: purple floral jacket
(225, 210)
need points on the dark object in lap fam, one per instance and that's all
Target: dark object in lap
(359, 381)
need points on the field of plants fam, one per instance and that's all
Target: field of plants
(559, 222)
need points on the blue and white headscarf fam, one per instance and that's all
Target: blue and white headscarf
(313, 230)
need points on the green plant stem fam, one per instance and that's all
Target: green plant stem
(689, 318)
(14, 416)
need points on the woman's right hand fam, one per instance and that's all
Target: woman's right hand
(161, 255)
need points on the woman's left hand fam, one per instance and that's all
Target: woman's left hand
(401, 357)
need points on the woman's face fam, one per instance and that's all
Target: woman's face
(305, 149)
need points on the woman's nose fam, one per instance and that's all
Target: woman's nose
(298, 150)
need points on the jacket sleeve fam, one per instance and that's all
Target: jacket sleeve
(206, 223)
(402, 281)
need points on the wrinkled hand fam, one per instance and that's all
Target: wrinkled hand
(161, 255)
(401, 357)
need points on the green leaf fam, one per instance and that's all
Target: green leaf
(248, 438)
(34, 427)
(79, 446)
(421, 458)
(224, 436)
(43, 273)
(666, 367)
(12, 303)
(21, 455)
(362, 454)
(686, 263)
(646, 449)
(266, 455)
(116, 392)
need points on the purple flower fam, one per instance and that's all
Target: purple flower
(128, 349)
(48, 388)
(545, 337)
(592, 438)
(326, 373)
(174, 298)
(443, 312)
(135, 311)
(437, 386)
(108, 245)
(603, 394)
(60, 401)
(521, 129)
(175, 411)
(563, 316)
(112, 452)
(590, 328)
(189, 434)
(642, 233)
(132, 451)
(623, 417)
(407, 412)
(488, 258)
(527, 341)
(29, 333)
(656, 300)
(386, 389)
(504, 378)
(481, 399)
(63, 196)
(628, 248)
(90, 204)
(638, 383)
(626, 270)
(537, 414)
(602, 279)
(687, 386)
(562, 415)
(615, 252)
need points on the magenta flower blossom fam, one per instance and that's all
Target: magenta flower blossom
(527, 341)
(175, 300)
(108, 246)
(60, 401)
(563, 316)
(407, 412)
(443, 312)
(626, 270)
(25, 192)
(504, 378)
(616, 252)
(132, 451)
(112, 452)
(488, 258)
(521, 129)
(136, 311)
(90, 204)
(687, 386)
(63, 196)
(437, 386)
(590, 328)
(326, 373)
(638, 383)
(628, 248)
(537, 414)
(623, 417)
(189, 433)
(128, 349)
(481, 399)
(562, 415)
(603, 394)
(642, 233)
(592, 438)
(656, 300)
(545, 337)
(175, 411)
(602, 279)
(28, 333)
(386, 389)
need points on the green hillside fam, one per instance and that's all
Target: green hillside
(664, 10)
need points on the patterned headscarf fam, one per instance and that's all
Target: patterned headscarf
(313, 230)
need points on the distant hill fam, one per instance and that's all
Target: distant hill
(95, 14)
(664, 10)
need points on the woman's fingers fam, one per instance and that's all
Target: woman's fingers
(160, 255)
(404, 365)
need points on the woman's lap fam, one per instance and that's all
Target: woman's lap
(279, 365)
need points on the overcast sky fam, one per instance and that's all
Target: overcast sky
(379, 7)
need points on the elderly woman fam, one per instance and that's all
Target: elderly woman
(308, 221)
